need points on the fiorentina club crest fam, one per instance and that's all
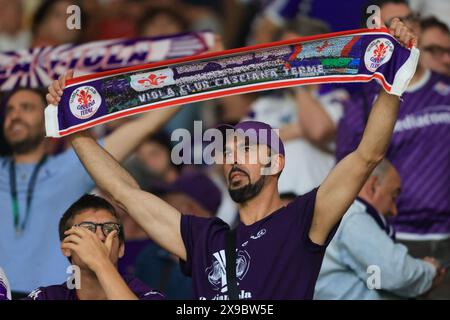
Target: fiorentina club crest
(84, 102)
(378, 53)
(152, 80)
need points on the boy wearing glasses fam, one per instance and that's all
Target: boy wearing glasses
(92, 239)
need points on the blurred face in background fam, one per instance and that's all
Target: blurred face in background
(10, 16)
(160, 25)
(155, 157)
(53, 28)
(24, 121)
(435, 50)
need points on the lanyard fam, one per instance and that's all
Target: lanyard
(13, 187)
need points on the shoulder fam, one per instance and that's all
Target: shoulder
(203, 223)
(305, 200)
(141, 290)
(356, 219)
(54, 292)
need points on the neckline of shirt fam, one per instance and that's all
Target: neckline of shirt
(419, 84)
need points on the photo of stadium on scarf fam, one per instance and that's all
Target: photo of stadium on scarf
(351, 56)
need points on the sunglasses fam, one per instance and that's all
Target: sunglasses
(436, 50)
(106, 227)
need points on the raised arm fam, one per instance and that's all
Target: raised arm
(159, 220)
(133, 132)
(344, 182)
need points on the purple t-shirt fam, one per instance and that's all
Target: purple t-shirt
(275, 257)
(419, 149)
(61, 292)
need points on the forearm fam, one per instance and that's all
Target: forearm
(379, 128)
(126, 138)
(101, 166)
(112, 283)
(315, 121)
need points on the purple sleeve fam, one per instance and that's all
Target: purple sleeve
(141, 290)
(37, 294)
(304, 206)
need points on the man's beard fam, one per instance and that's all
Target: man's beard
(26, 145)
(248, 191)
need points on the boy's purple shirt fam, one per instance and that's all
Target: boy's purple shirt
(62, 292)
(275, 257)
(419, 149)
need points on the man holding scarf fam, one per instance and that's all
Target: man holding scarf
(276, 250)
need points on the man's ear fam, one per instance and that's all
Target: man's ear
(277, 164)
(371, 185)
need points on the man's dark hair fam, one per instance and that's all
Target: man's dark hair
(86, 202)
(39, 91)
(380, 4)
(433, 22)
(154, 12)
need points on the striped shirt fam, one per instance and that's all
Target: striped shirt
(419, 149)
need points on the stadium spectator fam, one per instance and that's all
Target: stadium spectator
(91, 236)
(435, 46)
(365, 239)
(29, 200)
(271, 239)
(420, 152)
(12, 34)
(49, 26)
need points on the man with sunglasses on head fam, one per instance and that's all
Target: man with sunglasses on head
(92, 239)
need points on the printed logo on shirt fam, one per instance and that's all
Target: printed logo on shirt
(259, 234)
(152, 80)
(436, 115)
(442, 88)
(84, 102)
(35, 294)
(378, 53)
(217, 275)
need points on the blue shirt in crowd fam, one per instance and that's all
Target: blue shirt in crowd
(33, 258)
(362, 250)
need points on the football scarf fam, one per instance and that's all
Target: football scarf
(350, 56)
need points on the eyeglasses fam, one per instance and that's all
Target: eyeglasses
(106, 227)
(436, 50)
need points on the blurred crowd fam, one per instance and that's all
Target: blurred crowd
(318, 125)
